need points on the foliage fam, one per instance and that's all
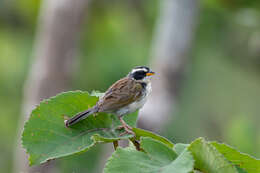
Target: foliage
(208, 159)
(45, 137)
(157, 158)
(208, 97)
(248, 163)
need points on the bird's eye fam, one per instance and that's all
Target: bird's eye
(139, 75)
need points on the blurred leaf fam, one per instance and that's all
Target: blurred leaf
(28, 10)
(242, 131)
(45, 136)
(231, 4)
(157, 158)
(245, 161)
(208, 159)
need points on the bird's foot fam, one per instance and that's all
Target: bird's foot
(127, 128)
(127, 131)
(124, 127)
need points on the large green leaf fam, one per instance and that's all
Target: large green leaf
(46, 137)
(179, 148)
(144, 133)
(248, 163)
(157, 157)
(209, 159)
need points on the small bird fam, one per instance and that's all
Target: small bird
(123, 97)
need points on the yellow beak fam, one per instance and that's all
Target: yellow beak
(150, 73)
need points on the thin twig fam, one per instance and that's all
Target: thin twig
(136, 144)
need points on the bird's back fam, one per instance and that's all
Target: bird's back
(121, 94)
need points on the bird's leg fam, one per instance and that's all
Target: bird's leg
(128, 129)
(124, 124)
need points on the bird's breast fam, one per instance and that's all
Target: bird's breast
(137, 104)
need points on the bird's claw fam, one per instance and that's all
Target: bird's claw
(128, 130)
(124, 127)
(120, 127)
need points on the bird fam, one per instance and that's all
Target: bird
(123, 97)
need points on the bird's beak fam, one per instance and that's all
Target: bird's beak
(150, 73)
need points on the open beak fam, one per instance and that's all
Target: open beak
(150, 73)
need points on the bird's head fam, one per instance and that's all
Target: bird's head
(141, 73)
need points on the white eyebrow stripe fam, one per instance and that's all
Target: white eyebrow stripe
(139, 69)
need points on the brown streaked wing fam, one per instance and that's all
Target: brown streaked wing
(120, 94)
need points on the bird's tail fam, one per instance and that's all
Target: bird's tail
(80, 116)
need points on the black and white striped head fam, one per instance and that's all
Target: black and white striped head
(141, 73)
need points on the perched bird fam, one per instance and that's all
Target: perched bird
(123, 97)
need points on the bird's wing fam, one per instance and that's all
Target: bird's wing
(120, 94)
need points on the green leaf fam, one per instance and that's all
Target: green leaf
(179, 148)
(96, 93)
(208, 159)
(144, 133)
(157, 150)
(182, 164)
(45, 136)
(157, 157)
(244, 161)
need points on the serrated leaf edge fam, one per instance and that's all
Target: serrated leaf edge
(213, 148)
(35, 109)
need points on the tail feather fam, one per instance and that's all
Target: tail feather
(80, 116)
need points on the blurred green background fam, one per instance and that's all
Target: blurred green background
(220, 98)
